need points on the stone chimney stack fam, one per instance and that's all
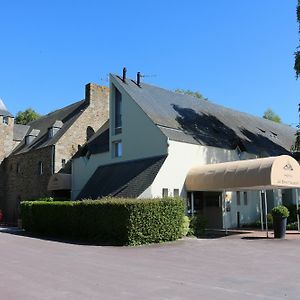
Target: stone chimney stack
(95, 93)
(97, 99)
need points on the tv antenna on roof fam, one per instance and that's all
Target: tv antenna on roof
(105, 79)
(148, 75)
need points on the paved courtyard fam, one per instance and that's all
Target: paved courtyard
(234, 267)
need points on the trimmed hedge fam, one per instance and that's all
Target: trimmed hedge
(109, 220)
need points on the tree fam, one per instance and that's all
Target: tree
(296, 146)
(270, 115)
(191, 93)
(26, 116)
(297, 52)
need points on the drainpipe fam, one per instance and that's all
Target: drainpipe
(53, 159)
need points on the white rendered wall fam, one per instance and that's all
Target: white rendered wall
(182, 157)
(83, 168)
(140, 138)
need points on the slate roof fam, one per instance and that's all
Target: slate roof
(188, 119)
(67, 115)
(99, 142)
(125, 179)
(20, 131)
(3, 110)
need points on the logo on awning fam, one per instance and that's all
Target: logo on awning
(288, 167)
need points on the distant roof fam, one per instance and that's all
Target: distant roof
(99, 142)
(188, 119)
(20, 131)
(3, 110)
(125, 179)
(67, 115)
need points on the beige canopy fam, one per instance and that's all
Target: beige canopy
(253, 174)
(59, 181)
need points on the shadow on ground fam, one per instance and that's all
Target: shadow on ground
(74, 241)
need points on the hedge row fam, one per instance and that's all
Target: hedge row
(110, 220)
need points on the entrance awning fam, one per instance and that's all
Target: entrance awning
(59, 181)
(253, 174)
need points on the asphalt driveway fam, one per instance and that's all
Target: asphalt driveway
(225, 268)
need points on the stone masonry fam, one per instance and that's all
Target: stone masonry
(20, 174)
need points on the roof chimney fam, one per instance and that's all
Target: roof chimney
(138, 79)
(124, 74)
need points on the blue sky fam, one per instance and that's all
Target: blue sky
(237, 53)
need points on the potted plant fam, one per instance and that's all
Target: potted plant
(279, 214)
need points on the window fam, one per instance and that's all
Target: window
(5, 120)
(165, 192)
(238, 198)
(89, 133)
(18, 169)
(176, 193)
(245, 198)
(118, 150)
(63, 163)
(40, 168)
(118, 111)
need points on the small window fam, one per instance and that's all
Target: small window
(176, 193)
(245, 198)
(165, 192)
(18, 169)
(63, 163)
(89, 133)
(40, 168)
(118, 150)
(238, 198)
(5, 120)
(118, 112)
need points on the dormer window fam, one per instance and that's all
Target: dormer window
(5, 120)
(52, 131)
(31, 136)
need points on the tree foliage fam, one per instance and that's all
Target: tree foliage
(191, 93)
(296, 146)
(26, 116)
(270, 115)
(297, 52)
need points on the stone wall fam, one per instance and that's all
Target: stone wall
(6, 146)
(23, 180)
(20, 173)
(6, 137)
(94, 116)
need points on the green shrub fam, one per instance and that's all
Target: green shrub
(292, 226)
(109, 220)
(280, 211)
(198, 225)
(185, 226)
(48, 199)
(293, 213)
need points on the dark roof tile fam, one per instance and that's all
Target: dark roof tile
(124, 179)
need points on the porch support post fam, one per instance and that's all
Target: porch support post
(261, 211)
(225, 212)
(266, 212)
(192, 203)
(297, 205)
